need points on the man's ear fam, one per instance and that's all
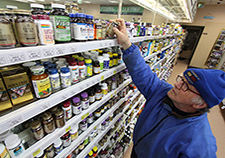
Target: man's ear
(199, 106)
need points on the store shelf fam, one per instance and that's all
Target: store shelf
(19, 116)
(50, 138)
(26, 54)
(167, 47)
(133, 107)
(81, 137)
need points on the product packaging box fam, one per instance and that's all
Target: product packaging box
(4, 98)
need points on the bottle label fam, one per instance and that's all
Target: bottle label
(89, 70)
(85, 104)
(5, 154)
(74, 136)
(98, 96)
(115, 62)
(6, 35)
(101, 66)
(27, 33)
(65, 81)
(80, 31)
(72, 30)
(113, 85)
(55, 82)
(103, 32)
(82, 73)
(91, 99)
(74, 74)
(77, 110)
(66, 142)
(104, 92)
(61, 27)
(90, 31)
(17, 151)
(97, 70)
(42, 88)
(111, 63)
(106, 64)
(68, 113)
(46, 34)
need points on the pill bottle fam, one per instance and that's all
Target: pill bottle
(82, 70)
(106, 61)
(3, 151)
(65, 77)
(90, 27)
(89, 67)
(67, 108)
(101, 63)
(54, 79)
(77, 108)
(74, 70)
(80, 28)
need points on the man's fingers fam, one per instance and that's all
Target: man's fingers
(117, 32)
(121, 21)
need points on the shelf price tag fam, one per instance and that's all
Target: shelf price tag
(36, 152)
(15, 58)
(44, 106)
(68, 129)
(15, 121)
(102, 78)
(111, 95)
(60, 50)
(95, 127)
(33, 54)
(73, 49)
(2, 60)
(85, 116)
(114, 72)
(48, 52)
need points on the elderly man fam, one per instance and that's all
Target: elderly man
(174, 122)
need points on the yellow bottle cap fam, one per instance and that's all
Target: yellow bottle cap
(90, 153)
(115, 55)
(109, 53)
(100, 51)
(75, 56)
(81, 58)
(95, 149)
(88, 61)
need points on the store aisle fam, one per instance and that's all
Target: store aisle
(215, 117)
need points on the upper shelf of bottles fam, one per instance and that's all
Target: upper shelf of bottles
(26, 54)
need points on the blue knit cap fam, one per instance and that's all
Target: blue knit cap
(209, 83)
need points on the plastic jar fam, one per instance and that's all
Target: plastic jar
(103, 126)
(25, 28)
(90, 119)
(97, 113)
(104, 89)
(37, 130)
(45, 30)
(67, 108)
(101, 63)
(65, 77)
(92, 136)
(41, 155)
(7, 38)
(74, 70)
(90, 27)
(74, 133)
(96, 67)
(104, 27)
(106, 61)
(82, 70)
(58, 146)
(84, 100)
(111, 61)
(115, 59)
(98, 30)
(89, 67)
(3, 152)
(59, 118)
(83, 125)
(54, 79)
(91, 93)
(14, 145)
(4, 135)
(81, 146)
(41, 82)
(98, 93)
(48, 122)
(80, 27)
(114, 83)
(50, 151)
(77, 108)
(66, 139)
(61, 23)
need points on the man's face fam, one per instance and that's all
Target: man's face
(181, 97)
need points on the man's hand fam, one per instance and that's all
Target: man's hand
(121, 34)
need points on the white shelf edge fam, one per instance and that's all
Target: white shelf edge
(50, 138)
(133, 107)
(81, 137)
(22, 114)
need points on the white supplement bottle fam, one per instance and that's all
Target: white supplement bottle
(106, 60)
(65, 77)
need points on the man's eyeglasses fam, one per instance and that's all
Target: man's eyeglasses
(184, 85)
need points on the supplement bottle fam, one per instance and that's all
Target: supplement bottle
(3, 152)
(91, 93)
(84, 100)
(74, 70)
(61, 23)
(50, 151)
(98, 30)
(66, 139)
(83, 125)
(54, 79)
(14, 145)
(65, 77)
(101, 63)
(106, 61)
(115, 59)
(104, 89)
(90, 119)
(74, 132)
(76, 106)
(37, 9)
(89, 67)
(37, 130)
(82, 70)
(58, 146)
(41, 82)
(98, 93)
(41, 155)
(110, 33)
(72, 22)
(67, 108)
(96, 67)
(59, 118)
(104, 27)
(45, 30)
(7, 38)
(90, 27)
(80, 27)
(4, 135)
(26, 29)
(48, 122)
(110, 60)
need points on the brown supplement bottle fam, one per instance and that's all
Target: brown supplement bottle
(37, 130)
(48, 122)
(98, 93)
(104, 27)
(98, 30)
(59, 118)
(25, 28)
(7, 38)
(90, 27)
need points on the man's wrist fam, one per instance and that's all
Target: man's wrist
(126, 45)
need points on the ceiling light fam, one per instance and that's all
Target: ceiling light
(88, 2)
(113, 1)
(22, 1)
(31, 0)
(41, 0)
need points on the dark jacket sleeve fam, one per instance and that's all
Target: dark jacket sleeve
(146, 81)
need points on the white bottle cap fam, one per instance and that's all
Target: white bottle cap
(35, 5)
(61, 6)
(100, 58)
(105, 55)
(12, 141)
(104, 86)
(5, 134)
(57, 143)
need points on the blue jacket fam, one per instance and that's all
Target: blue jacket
(169, 136)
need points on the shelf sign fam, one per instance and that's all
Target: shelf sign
(130, 10)
(68, 129)
(36, 152)
(208, 17)
(84, 116)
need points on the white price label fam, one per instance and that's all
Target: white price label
(73, 49)
(2, 59)
(45, 106)
(15, 121)
(101, 44)
(60, 50)
(33, 54)
(15, 58)
(110, 43)
(72, 92)
(106, 44)
(64, 97)
(48, 52)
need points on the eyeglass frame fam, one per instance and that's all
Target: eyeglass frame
(182, 79)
